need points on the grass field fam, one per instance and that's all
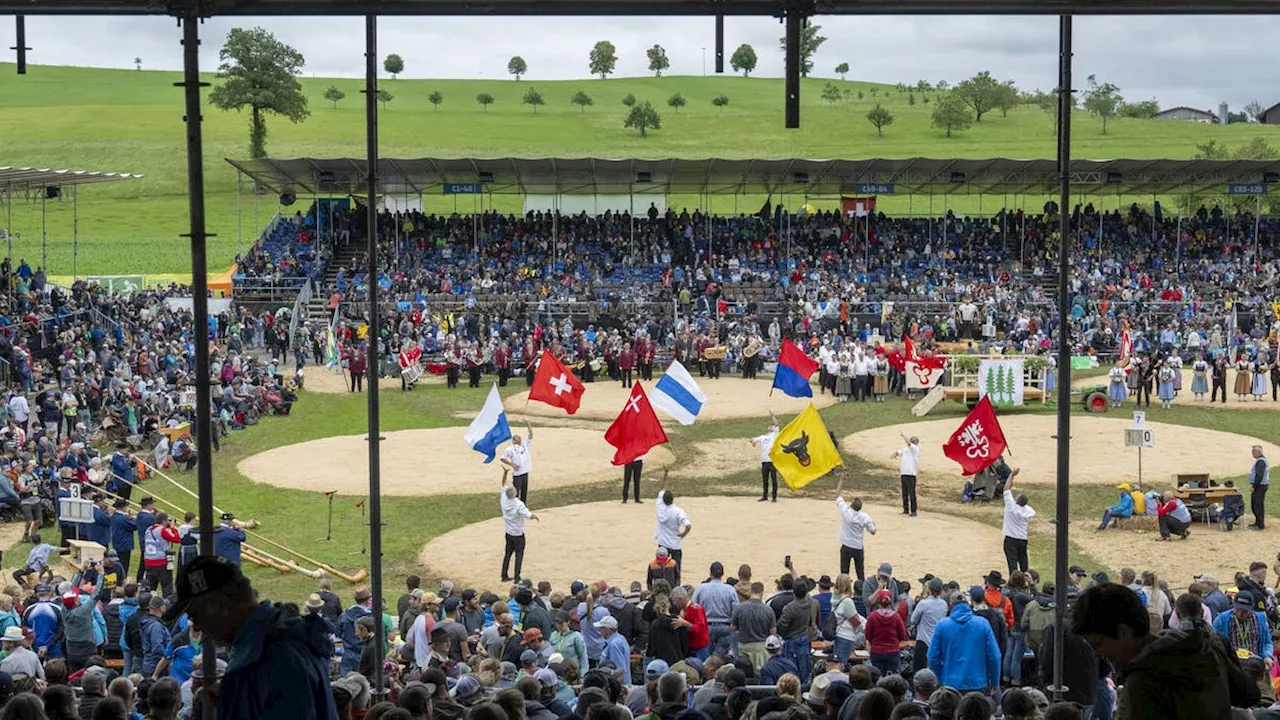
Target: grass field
(297, 518)
(130, 121)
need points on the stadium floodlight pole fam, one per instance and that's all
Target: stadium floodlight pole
(375, 459)
(20, 35)
(794, 23)
(720, 44)
(1064, 351)
(191, 85)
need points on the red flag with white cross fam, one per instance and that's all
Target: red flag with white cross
(555, 385)
(979, 441)
(637, 429)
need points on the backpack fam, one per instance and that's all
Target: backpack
(828, 625)
(133, 632)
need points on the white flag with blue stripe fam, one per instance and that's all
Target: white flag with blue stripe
(677, 395)
(490, 428)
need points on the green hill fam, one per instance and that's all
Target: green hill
(130, 121)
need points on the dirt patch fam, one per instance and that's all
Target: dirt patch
(724, 529)
(561, 456)
(1208, 550)
(1184, 396)
(322, 380)
(727, 398)
(1098, 454)
(720, 458)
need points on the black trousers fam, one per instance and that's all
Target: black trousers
(1144, 391)
(768, 473)
(514, 546)
(857, 555)
(451, 376)
(713, 369)
(631, 476)
(920, 657)
(529, 372)
(124, 564)
(1015, 553)
(521, 484)
(1170, 525)
(909, 494)
(1258, 504)
(678, 556)
(357, 382)
(646, 371)
(625, 376)
(503, 375)
(1219, 385)
(160, 576)
(473, 377)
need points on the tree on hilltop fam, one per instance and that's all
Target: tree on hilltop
(842, 69)
(517, 66)
(394, 64)
(658, 59)
(880, 117)
(603, 59)
(743, 59)
(720, 101)
(385, 97)
(951, 114)
(810, 41)
(260, 73)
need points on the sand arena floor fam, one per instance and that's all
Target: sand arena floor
(1098, 454)
(561, 456)
(566, 544)
(727, 398)
(1209, 549)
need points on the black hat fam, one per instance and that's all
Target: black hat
(120, 503)
(824, 582)
(995, 579)
(228, 516)
(927, 577)
(147, 501)
(199, 577)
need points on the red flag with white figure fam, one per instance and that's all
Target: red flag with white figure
(979, 441)
(637, 430)
(555, 385)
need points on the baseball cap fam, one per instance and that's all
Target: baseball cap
(546, 678)
(204, 575)
(467, 688)
(509, 670)
(1076, 570)
(528, 656)
(924, 677)
(608, 621)
(944, 701)
(1125, 487)
(6, 684)
(468, 595)
(934, 585)
(885, 570)
(530, 635)
(451, 604)
(113, 554)
(577, 586)
(656, 669)
(418, 593)
(773, 642)
(976, 593)
(663, 552)
(93, 682)
(1244, 599)
(1207, 578)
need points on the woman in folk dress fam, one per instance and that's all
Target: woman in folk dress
(1164, 385)
(1200, 378)
(1244, 379)
(1051, 374)
(1117, 390)
(880, 382)
(1260, 372)
(844, 376)
(1175, 362)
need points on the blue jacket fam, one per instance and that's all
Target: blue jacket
(123, 529)
(963, 653)
(144, 520)
(226, 543)
(775, 667)
(121, 467)
(100, 530)
(45, 620)
(127, 609)
(155, 640)
(351, 643)
(1222, 623)
(279, 669)
(1124, 508)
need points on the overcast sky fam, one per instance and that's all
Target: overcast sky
(1196, 61)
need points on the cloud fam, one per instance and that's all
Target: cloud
(1181, 60)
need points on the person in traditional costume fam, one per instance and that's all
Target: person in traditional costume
(1261, 369)
(844, 374)
(1164, 385)
(1051, 374)
(880, 382)
(1117, 390)
(1175, 362)
(1244, 375)
(1200, 378)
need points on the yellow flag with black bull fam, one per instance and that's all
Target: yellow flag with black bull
(804, 451)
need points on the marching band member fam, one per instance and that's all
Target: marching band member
(475, 359)
(409, 369)
(453, 362)
(529, 357)
(502, 363)
(644, 355)
(626, 363)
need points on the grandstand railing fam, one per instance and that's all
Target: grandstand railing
(300, 304)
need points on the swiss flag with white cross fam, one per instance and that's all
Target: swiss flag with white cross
(555, 385)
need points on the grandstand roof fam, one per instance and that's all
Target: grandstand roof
(601, 176)
(635, 7)
(17, 179)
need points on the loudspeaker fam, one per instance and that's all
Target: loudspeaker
(326, 177)
(644, 177)
(287, 199)
(1270, 178)
(486, 177)
(1114, 178)
(800, 178)
(53, 193)
(957, 178)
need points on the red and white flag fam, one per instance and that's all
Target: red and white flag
(979, 441)
(555, 385)
(637, 430)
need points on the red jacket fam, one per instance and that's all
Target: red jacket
(699, 634)
(995, 600)
(885, 631)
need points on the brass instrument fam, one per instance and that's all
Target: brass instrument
(716, 352)
(752, 349)
(596, 364)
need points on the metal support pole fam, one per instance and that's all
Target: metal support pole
(1257, 225)
(75, 233)
(239, 214)
(794, 23)
(1061, 547)
(200, 298)
(375, 459)
(20, 36)
(44, 231)
(720, 44)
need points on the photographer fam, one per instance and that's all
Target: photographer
(156, 542)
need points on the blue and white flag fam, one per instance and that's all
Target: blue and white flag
(490, 428)
(677, 395)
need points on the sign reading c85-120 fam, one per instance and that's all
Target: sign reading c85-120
(1247, 189)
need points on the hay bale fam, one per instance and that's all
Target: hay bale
(1140, 524)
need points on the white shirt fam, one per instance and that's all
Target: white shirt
(855, 522)
(514, 513)
(19, 408)
(765, 442)
(909, 460)
(968, 311)
(671, 520)
(1016, 517)
(519, 457)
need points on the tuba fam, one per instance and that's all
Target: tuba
(716, 352)
(753, 348)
